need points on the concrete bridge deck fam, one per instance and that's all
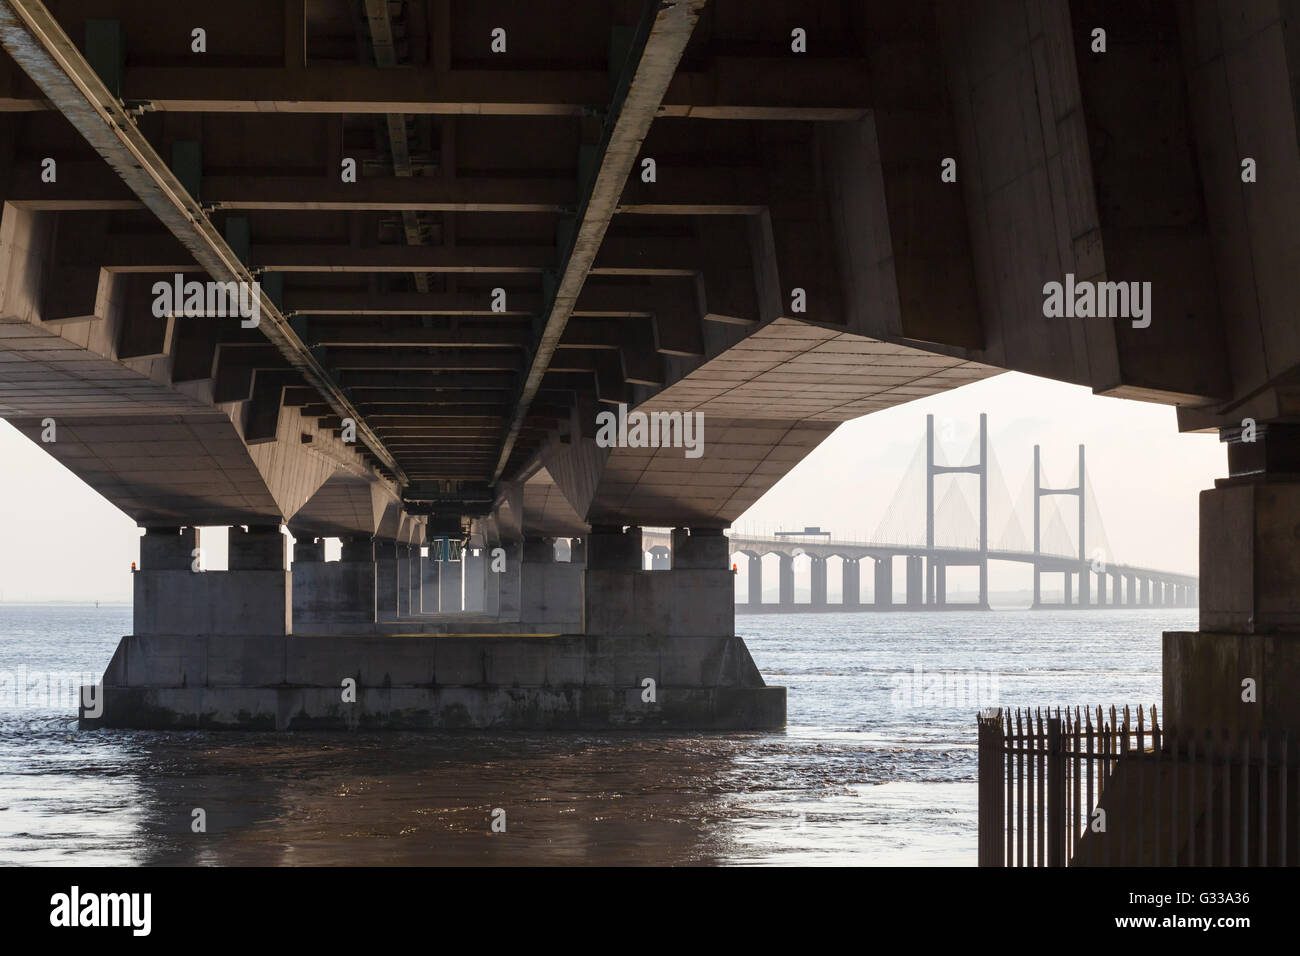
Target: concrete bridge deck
(463, 244)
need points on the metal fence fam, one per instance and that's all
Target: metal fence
(1085, 787)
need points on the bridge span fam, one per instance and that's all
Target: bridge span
(1089, 576)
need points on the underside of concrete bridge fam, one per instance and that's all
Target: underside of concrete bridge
(463, 230)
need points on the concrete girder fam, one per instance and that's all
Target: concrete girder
(642, 84)
(36, 41)
(346, 505)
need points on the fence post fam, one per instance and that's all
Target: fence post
(1055, 793)
(991, 781)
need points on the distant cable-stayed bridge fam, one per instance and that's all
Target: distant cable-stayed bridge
(931, 533)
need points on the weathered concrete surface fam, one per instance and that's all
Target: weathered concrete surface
(1202, 675)
(278, 682)
(212, 602)
(332, 595)
(551, 592)
(694, 603)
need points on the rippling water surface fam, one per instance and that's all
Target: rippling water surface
(877, 764)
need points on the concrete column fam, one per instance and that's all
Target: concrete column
(509, 580)
(851, 586)
(385, 579)
(253, 598)
(755, 573)
(1116, 590)
(914, 576)
(550, 590)
(416, 579)
(1146, 592)
(1101, 590)
(578, 551)
(475, 566)
(785, 581)
(332, 597)
(491, 582)
(818, 577)
(693, 599)
(450, 575)
(308, 550)
(1068, 586)
(940, 583)
(884, 582)
(429, 584)
(1085, 585)
(1249, 594)
(403, 579)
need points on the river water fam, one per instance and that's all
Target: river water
(877, 765)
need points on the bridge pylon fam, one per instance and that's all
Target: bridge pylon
(935, 564)
(1077, 491)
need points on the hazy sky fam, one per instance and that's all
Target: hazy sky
(59, 540)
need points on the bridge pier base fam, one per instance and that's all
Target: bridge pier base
(1249, 596)
(658, 650)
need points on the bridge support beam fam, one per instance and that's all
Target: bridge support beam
(785, 581)
(475, 582)
(915, 595)
(1101, 590)
(817, 577)
(331, 597)
(884, 582)
(754, 573)
(940, 584)
(172, 599)
(1249, 595)
(429, 584)
(851, 583)
(508, 581)
(1085, 585)
(550, 590)
(386, 579)
(1146, 592)
(449, 586)
(417, 578)
(403, 579)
